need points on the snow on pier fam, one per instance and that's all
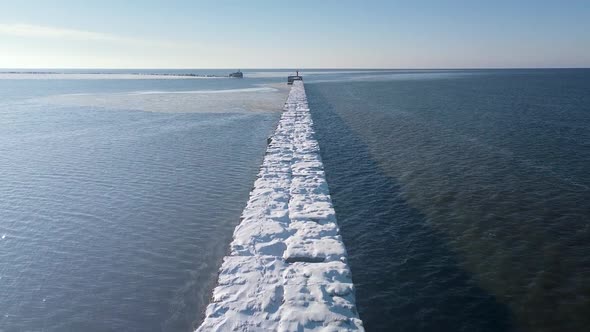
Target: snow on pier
(287, 269)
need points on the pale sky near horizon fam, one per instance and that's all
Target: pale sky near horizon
(289, 33)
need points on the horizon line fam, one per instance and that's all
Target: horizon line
(292, 68)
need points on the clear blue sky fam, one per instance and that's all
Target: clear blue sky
(294, 33)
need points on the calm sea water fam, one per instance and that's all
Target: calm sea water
(119, 193)
(114, 218)
(463, 197)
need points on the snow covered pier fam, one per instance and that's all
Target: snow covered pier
(287, 269)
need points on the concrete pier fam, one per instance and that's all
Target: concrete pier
(287, 266)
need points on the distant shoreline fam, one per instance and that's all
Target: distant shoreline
(110, 73)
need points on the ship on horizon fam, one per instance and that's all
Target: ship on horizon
(237, 74)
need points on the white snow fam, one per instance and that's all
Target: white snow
(286, 270)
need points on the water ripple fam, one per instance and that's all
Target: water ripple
(117, 220)
(463, 202)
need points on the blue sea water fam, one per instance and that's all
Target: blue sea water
(463, 197)
(116, 219)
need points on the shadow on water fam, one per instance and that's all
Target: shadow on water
(406, 277)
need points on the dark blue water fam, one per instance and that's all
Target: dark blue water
(463, 197)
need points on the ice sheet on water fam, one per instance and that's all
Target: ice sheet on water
(255, 99)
